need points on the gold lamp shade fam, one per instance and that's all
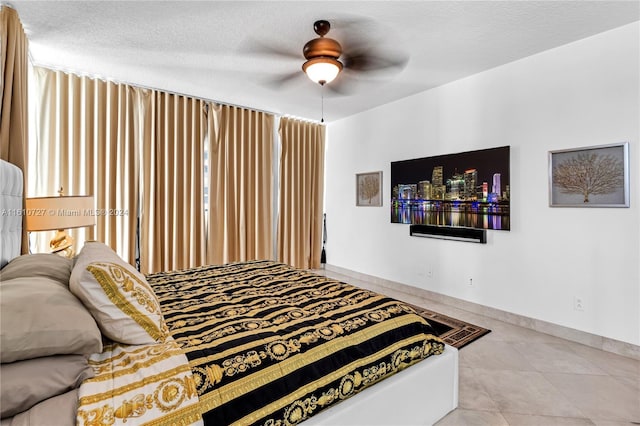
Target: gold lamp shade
(60, 213)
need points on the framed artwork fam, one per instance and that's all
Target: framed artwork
(596, 176)
(369, 189)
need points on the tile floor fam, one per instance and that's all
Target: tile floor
(516, 376)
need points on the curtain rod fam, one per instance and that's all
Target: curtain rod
(171, 92)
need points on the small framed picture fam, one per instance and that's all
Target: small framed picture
(369, 189)
(596, 176)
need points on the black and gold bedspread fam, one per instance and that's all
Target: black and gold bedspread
(272, 345)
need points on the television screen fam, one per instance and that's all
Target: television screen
(469, 189)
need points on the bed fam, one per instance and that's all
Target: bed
(245, 343)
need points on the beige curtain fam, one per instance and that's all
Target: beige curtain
(13, 95)
(86, 132)
(172, 230)
(141, 152)
(241, 189)
(301, 192)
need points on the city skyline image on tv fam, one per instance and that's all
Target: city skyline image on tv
(467, 189)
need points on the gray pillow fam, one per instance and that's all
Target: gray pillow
(59, 410)
(41, 317)
(25, 383)
(38, 265)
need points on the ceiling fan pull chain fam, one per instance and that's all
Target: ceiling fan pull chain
(322, 97)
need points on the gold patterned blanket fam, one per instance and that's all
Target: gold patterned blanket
(272, 345)
(140, 385)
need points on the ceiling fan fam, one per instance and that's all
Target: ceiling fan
(322, 54)
(353, 58)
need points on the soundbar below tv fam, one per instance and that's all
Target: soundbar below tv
(473, 235)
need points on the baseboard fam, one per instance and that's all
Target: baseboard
(583, 337)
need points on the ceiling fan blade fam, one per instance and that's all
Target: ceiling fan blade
(345, 83)
(370, 61)
(257, 47)
(283, 80)
(338, 87)
(369, 46)
(352, 24)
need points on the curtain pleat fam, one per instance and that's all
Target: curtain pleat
(86, 144)
(13, 96)
(172, 232)
(301, 193)
(241, 189)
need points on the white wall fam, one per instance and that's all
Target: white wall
(582, 94)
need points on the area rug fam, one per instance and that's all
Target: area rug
(453, 331)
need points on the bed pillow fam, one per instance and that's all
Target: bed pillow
(119, 297)
(59, 410)
(38, 265)
(25, 383)
(40, 317)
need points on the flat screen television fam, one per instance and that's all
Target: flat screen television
(468, 189)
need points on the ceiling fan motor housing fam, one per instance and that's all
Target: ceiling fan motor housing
(322, 46)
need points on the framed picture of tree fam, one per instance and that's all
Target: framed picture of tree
(369, 189)
(596, 176)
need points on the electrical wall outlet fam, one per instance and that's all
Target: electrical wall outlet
(470, 281)
(578, 303)
(429, 271)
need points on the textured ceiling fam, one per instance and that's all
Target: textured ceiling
(214, 49)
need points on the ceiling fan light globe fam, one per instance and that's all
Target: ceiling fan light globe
(322, 70)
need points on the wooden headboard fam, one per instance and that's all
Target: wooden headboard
(11, 194)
